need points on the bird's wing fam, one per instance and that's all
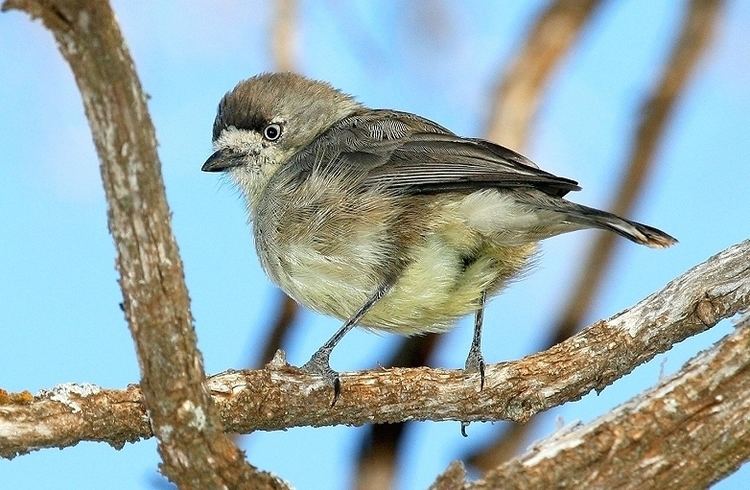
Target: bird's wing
(410, 154)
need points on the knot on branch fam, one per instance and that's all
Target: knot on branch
(706, 312)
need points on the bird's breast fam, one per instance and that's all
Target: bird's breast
(331, 254)
(326, 251)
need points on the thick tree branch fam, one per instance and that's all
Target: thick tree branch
(688, 432)
(591, 360)
(194, 449)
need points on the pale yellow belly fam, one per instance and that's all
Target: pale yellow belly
(433, 291)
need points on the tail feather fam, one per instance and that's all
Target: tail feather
(632, 230)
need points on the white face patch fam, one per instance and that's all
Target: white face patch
(261, 160)
(239, 140)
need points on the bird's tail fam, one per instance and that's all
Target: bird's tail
(587, 217)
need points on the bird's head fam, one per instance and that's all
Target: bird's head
(268, 118)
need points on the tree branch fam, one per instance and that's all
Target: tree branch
(688, 432)
(194, 449)
(591, 360)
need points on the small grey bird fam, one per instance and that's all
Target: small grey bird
(383, 218)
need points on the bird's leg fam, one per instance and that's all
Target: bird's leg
(475, 361)
(319, 363)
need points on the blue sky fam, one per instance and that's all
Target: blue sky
(59, 320)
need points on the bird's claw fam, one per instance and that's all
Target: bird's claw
(319, 365)
(475, 364)
(464, 425)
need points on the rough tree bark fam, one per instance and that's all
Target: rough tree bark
(194, 449)
(688, 432)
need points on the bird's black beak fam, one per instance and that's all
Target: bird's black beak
(221, 161)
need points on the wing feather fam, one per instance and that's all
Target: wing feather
(405, 152)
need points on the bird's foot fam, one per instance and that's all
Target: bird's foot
(475, 360)
(475, 364)
(319, 365)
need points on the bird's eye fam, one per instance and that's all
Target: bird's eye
(272, 132)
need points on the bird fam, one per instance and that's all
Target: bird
(385, 219)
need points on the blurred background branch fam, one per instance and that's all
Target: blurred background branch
(284, 35)
(380, 444)
(520, 87)
(694, 35)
